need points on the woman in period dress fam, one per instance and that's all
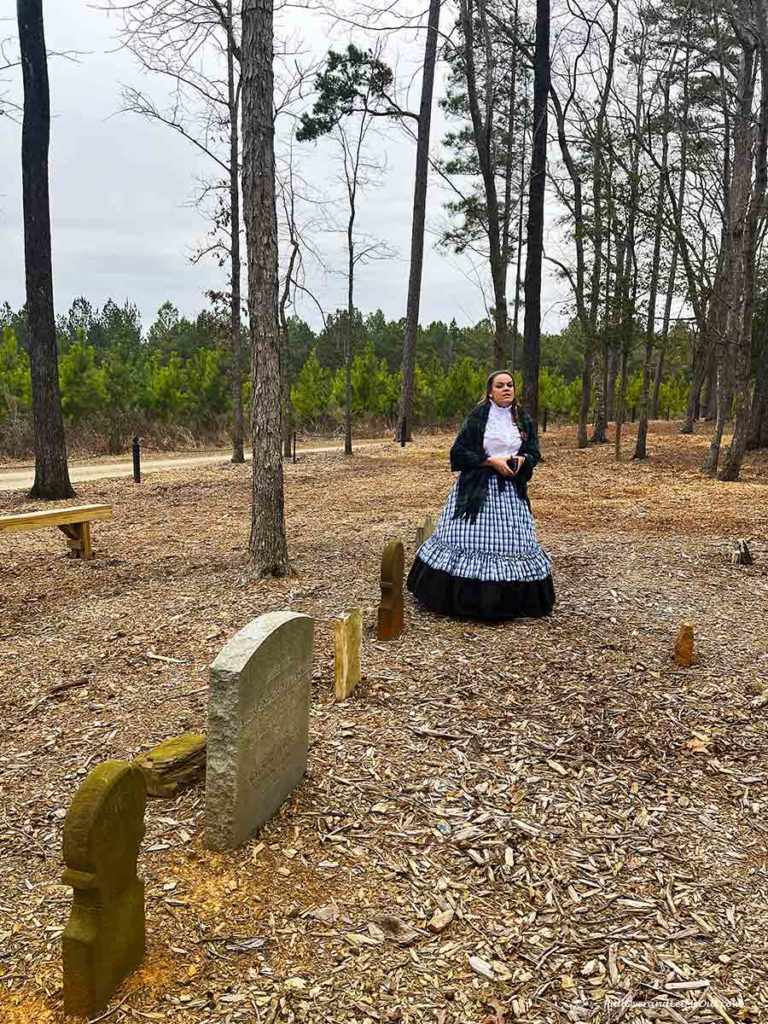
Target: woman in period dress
(483, 561)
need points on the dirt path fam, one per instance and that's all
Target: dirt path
(19, 479)
(595, 818)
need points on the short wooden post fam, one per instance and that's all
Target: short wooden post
(136, 461)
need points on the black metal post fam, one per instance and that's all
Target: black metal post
(136, 461)
(404, 434)
(634, 412)
(294, 446)
(544, 422)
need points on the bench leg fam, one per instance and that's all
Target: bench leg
(78, 540)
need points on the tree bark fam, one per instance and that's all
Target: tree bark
(286, 408)
(348, 327)
(754, 210)
(236, 340)
(758, 435)
(482, 132)
(51, 469)
(519, 261)
(421, 178)
(641, 443)
(535, 250)
(268, 547)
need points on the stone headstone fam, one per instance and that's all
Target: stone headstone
(741, 554)
(684, 646)
(258, 725)
(175, 762)
(425, 529)
(390, 620)
(104, 938)
(348, 639)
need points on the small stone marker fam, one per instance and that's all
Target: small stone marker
(175, 762)
(425, 529)
(104, 938)
(348, 639)
(741, 555)
(684, 646)
(258, 725)
(390, 621)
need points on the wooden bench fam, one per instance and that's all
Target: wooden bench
(74, 522)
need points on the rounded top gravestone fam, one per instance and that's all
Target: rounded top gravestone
(104, 828)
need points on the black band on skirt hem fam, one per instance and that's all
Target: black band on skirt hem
(479, 599)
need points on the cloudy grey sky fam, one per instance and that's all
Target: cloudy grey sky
(123, 223)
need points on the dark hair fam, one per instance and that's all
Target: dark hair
(516, 409)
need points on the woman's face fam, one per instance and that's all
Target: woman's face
(503, 390)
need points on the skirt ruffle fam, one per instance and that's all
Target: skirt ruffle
(480, 599)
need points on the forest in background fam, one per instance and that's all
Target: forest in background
(170, 382)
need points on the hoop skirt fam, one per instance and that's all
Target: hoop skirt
(491, 569)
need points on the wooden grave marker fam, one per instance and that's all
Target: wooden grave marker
(348, 639)
(390, 618)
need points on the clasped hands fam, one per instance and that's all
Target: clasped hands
(504, 466)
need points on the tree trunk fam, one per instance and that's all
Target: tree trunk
(754, 210)
(482, 133)
(599, 435)
(236, 340)
(713, 453)
(286, 408)
(348, 330)
(641, 443)
(535, 250)
(267, 544)
(417, 227)
(758, 434)
(51, 469)
(519, 261)
(614, 360)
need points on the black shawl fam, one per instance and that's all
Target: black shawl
(468, 453)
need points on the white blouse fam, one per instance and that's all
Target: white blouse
(501, 434)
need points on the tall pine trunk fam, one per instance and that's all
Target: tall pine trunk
(758, 436)
(755, 212)
(417, 227)
(535, 251)
(236, 341)
(482, 134)
(267, 544)
(51, 470)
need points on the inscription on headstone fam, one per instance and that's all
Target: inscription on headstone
(104, 938)
(348, 638)
(258, 725)
(390, 620)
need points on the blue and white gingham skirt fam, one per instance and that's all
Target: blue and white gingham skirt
(500, 546)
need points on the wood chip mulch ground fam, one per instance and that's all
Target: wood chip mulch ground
(541, 821)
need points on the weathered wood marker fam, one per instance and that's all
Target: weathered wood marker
(390, 621)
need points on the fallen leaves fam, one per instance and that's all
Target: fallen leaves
(535, 825)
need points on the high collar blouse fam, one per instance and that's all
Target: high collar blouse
(501, 434)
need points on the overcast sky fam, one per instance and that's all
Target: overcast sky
(123, 223)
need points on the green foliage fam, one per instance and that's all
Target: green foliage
(312, 393)
(177, 373)
(15, 383)
(350, 81)
(84, 390)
